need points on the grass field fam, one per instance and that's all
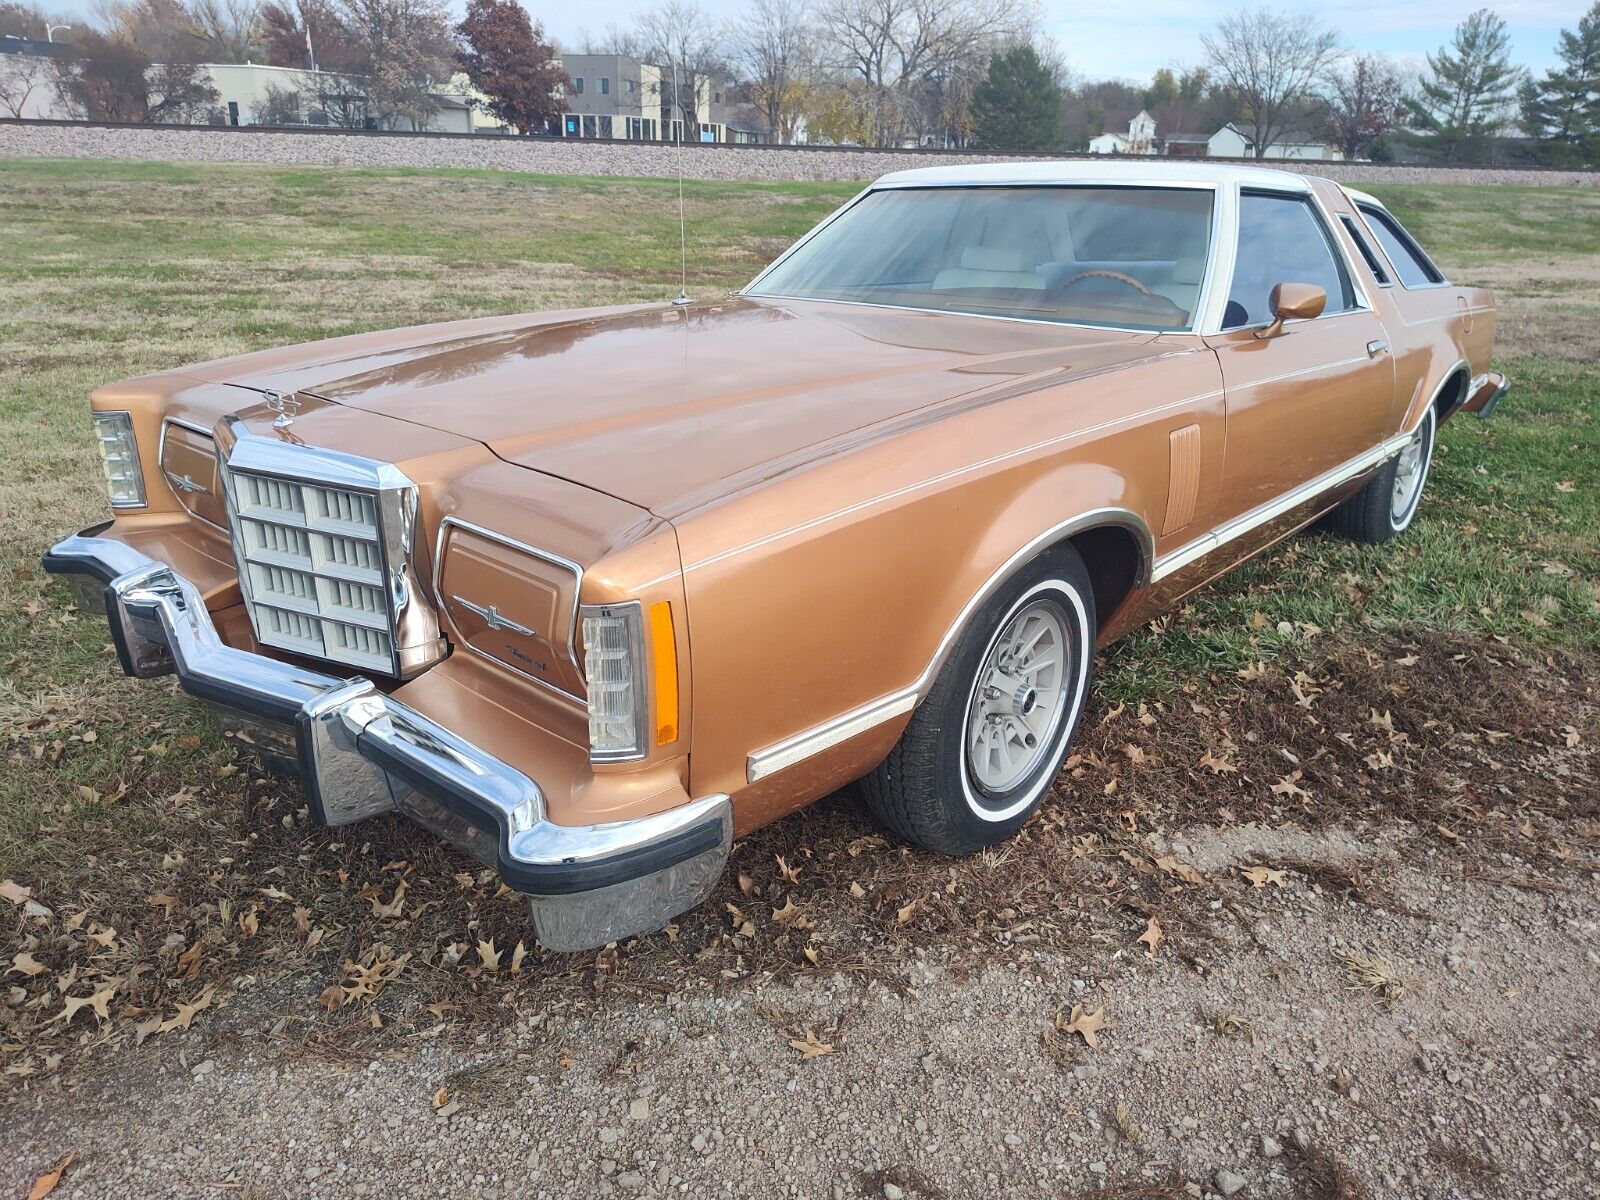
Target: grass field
(118, 809)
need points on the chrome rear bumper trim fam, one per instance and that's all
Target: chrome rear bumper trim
(360, 753)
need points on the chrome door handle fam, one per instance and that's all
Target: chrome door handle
(1376, 347)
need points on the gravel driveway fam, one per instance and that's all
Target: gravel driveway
(1244, 1065)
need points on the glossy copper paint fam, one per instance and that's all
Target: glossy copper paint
(819, 491)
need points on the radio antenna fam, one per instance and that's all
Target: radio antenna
(683, 237)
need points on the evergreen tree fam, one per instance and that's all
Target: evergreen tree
(1018, 107)
(1470, 86)
(1563, 108)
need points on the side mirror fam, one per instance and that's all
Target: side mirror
(1293, 301)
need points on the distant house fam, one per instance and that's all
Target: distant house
(1142, 137)
(1126, 133)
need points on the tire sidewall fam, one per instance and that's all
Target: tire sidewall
(1430, 423)
(978, 817)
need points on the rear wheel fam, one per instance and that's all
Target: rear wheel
(1388, 503)
(984, 746)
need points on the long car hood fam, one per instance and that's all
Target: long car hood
(667, 407)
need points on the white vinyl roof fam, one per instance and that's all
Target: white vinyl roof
(1113, 171)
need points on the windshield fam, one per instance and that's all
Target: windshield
(1127, 257)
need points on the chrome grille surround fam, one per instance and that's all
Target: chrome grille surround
(324, 543)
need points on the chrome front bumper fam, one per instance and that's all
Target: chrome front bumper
(360, 753)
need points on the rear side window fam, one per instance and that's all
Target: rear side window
(1414, 268)
(1367, 253)
(1282, 240)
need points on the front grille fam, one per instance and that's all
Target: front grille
(311, 561)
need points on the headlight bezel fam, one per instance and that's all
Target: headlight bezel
(122, 443)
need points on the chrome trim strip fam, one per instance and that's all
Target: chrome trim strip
(824, 737)
(535, 552)
(955, 473)
(362, 752)
(830, 733)
(1243, 524)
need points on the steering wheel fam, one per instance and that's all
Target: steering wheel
(1116, 276)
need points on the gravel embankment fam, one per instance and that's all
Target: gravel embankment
(631, 159)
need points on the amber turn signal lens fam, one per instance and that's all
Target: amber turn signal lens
(664, 661)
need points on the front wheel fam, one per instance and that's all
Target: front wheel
(985, 744)
(1388, 503)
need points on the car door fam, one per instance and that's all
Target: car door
(1309, 399)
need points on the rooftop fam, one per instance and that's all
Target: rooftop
(1198, 172)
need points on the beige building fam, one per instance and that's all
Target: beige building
(617, 96)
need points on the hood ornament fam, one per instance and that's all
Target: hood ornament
(282, 403)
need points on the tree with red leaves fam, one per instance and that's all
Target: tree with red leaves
(506, 57)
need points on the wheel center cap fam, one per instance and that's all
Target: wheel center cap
(1024, 700)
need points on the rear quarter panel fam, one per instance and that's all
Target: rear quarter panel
(1432, 331)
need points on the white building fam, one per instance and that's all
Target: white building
(1126, 133)
(256, 94)
(1227, 142)
(27, 80)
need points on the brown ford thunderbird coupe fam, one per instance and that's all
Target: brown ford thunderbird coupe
(592, 593)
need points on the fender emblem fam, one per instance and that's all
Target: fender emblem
(284, 405)
(493, 616)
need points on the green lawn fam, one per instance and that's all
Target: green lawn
(114, 797)
(118, 268)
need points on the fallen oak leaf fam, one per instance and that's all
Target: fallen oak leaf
(186, 1012)
(97, 1003)
(1172, 865)
(810, 1047)
(1152, 937)
(46, 1183)
(1261, 876)
(13, 891)
(23, 963)
(489, 956)
(1289, 786)
(1086, 1025)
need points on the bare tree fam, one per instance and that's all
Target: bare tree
(687, 45)
(230, 28)
(915, 56)
(1272, 61)
(407, 49)
(615, 40)
(772, 44)
(1366, 101)
(25, 78)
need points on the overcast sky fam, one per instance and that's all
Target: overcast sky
(1131, 38)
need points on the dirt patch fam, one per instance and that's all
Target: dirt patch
(365, 936)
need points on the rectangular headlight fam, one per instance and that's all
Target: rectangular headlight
(119, 459)
(613, 669)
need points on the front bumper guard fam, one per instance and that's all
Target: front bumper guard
(360, 753)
